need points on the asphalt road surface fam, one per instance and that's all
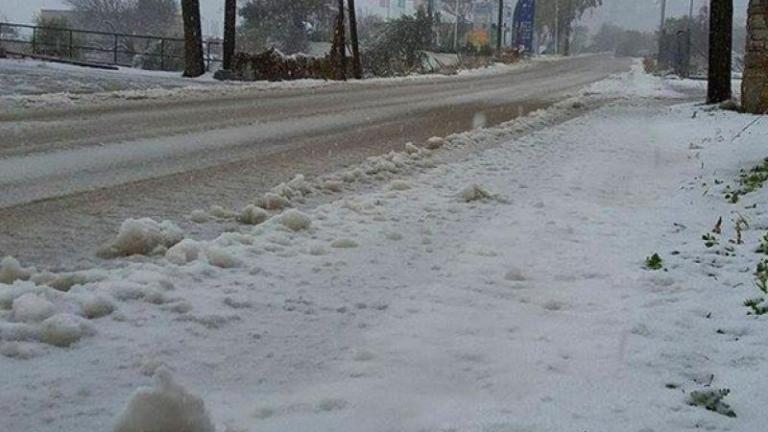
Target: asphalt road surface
(69, 176)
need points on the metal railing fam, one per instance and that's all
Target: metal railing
(119, 49)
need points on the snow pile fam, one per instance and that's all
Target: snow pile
(37, 313)
(11, 270)
(30, 308)
(167, 407)
(183, 252)
(252, 215)
(474, 193)
(219, 257)
(294, 220)
(143, 237)
(399, 185)
(64, 329)
(435, 143)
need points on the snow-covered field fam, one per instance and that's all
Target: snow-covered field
(505, 292)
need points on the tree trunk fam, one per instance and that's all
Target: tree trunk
(340, 44)
(720, 40)
(230, 22)
(193, 39)
(357, 67)
(500, 28)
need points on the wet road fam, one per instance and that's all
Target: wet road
(69, 176)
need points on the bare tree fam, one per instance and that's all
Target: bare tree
(193, 39)
(230, 30)
(720, 50)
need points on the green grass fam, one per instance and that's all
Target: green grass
(654, 262)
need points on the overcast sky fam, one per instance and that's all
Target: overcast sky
(636, 14)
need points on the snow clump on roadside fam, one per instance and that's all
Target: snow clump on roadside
(11, 271)
(64, 329)
(166, 407)
(474, 193)
(294, 220)
(252, 215)
(143, 237)
(435, 143)
(184, 252)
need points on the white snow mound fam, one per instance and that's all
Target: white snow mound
(143, 237)
(435, 143)
(64, 329)
(167, 407)
(11, 271)
(252, 215)
(221, 258)
(294, 220)
(183, 252)
(31, 308)
(474, 193)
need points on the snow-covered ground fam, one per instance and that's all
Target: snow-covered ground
(505, 292)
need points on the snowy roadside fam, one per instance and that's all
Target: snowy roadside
(504, 292)
(27, 84)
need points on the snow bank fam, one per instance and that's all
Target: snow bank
(294, 220)
(435, 143)
(31, 307)
(252, 215)
(64, 329)
(167, 407)
(183, 252)
(143, 237)
(221, 258)
(11, 270)
(474, 193)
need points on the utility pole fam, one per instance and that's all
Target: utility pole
(230, 20)
(431, 15)
(662, 35)
(341, 45)
(557, 27)
(357, 69)
(456, 28)
(500, 28)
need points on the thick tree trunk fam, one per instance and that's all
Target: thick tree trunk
(357, 67)
(193, 39)
(754, 94)
(230, 23)
(720, 41)
(500, 28)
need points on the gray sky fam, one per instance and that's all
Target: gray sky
(635, 14)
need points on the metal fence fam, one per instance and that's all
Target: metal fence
(119, 49)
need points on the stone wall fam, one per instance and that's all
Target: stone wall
(755, 85)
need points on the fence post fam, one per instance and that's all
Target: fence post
(34, 40)
(70, 45)
(162, 54)
(208, 50)
(114, 51)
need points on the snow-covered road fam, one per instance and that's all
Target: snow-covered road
(196, 148)
(506, 292)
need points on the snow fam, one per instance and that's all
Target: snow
(31, 307)
(167, 407)
(295, 220)
(416, 309)
(252, 215)
(62, 330)
(11, 270)
(143, 237)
